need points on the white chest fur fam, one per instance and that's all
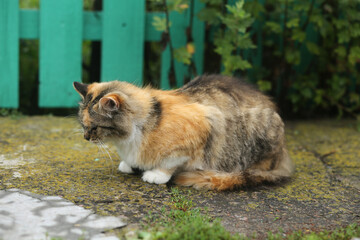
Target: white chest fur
(128, 149)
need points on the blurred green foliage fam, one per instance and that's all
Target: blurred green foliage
(311, 54)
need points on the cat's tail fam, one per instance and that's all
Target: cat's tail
(216, 180)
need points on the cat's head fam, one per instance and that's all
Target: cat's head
(104, 111)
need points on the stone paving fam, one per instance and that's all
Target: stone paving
(29, 216)
(47, 156)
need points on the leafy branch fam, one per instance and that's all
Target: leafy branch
(232, 36)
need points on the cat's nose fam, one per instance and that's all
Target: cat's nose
(87, 136)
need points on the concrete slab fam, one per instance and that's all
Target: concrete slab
(48, 156)
(29, 216)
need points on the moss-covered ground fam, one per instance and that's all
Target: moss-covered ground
(47, 155)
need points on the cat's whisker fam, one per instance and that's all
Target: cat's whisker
(109, 164)
(102, 154)
(110, 152)
(107, 150)
(76, 132)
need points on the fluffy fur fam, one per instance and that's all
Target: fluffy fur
(215, 132)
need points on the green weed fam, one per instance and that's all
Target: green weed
(182, 220)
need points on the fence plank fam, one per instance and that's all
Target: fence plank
(92, 25)
(123, 40)
(29, 24)
(60, 52)
(9, 53)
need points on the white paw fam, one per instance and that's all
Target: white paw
(156, 176)
(124, 168)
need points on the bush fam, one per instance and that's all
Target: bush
(311, 54)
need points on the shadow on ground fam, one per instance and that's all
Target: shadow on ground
(47, 155)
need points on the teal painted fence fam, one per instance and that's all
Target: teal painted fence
(122, 27)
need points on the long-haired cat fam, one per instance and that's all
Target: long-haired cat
(215, 132)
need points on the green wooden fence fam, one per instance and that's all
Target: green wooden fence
(122, 27)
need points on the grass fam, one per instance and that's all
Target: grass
(184, 221)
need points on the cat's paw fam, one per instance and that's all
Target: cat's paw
(156, 176)
(124, 168)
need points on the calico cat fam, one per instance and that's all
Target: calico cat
(215, 132)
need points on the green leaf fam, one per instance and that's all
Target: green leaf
(298, 35)
(354, 98)
(301, 6)
(209, 15)
(244, 41)
(159, 23)
(318, 20)
(293, 23)
(354, 55)
(254, 8)
(182, 55)
(313, 48)
(307, 93)
(224, 46)
(177, 5)
(237, 9)
(233, 63)
(293, 56)
(264, 85)
(355, 30)
(273, 27)
(344, 36)
(341, 23)
(340, 51)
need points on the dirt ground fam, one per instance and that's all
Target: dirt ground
(48, 155)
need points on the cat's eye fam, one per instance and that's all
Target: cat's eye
(107, 127)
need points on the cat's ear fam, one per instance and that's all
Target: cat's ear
(81, 88)
(111, 102)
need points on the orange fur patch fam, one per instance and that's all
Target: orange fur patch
(211, 180)
(182, 131)
(94, 90)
